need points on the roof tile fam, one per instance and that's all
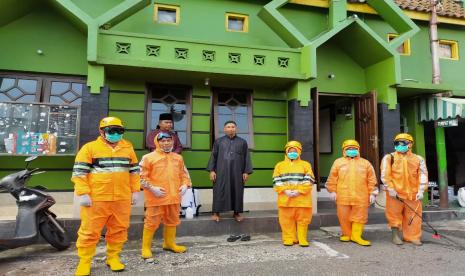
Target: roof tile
(448, 8)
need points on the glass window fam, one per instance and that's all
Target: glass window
(39, 114)
(174, 100)
(403, 49)
(234, 106)
(36, 128)
(65, 92)
(166, 14)
(237, 22)
(17, 89)
(448, 49)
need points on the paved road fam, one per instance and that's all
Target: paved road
(264, 255)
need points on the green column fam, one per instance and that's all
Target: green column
(442, 166)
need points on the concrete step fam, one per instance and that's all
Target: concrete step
(254, 222)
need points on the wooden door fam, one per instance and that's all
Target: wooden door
(366, 128)
(316, 137)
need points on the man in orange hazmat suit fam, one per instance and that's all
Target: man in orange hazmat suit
(165, 179)
(106, 181)
(405, 177)
(352, 184)
(292, 180)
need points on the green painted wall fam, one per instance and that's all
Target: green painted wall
(309, 20)
(417, 66)
(58, 170)
(342, 129)
(96, 8)
(210, 28)
(63, 46)
(349, 76)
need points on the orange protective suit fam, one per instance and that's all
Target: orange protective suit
(109, 175)
(167, 171)
(407, 175)
(295, 213)
(353, 180)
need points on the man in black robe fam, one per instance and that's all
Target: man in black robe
(229, 168)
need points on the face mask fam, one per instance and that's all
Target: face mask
(292, 155)
(113, 138)
(401, 148)
(352, 152)
(168, 150)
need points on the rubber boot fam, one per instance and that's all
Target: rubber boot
(147, 237)
(289, 234)
(295, 239)
(169, 240)
(417, 242)
(357, 230)
(344, 238)
(85, 258)
(113, 261)
(396, 236)
(302, 234)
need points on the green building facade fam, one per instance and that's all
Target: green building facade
(300, 69)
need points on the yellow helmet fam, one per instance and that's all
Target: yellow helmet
(293, 144)
(404, 136)
(350, 143)
(110, 121)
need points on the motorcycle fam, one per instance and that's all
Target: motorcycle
(34, 217)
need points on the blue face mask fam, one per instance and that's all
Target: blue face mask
(401, 148)
(352, 152)
(113, 138)
(292, 155)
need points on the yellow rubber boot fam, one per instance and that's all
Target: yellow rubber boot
(147, 237)
(357, 229)
(302, 234)
(169, 240)
(289, 235)
(113, 261)
(344, 238)
(85, 258)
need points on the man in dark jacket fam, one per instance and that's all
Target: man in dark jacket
(165, 124)
(229, 168)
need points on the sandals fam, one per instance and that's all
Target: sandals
(216, 218)
(243, 237)
(237, 217)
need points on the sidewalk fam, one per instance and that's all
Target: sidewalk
(254, 222)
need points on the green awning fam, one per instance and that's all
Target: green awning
(435, 108)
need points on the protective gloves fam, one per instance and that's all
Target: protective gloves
(332, 196)
(290, 193)
(157, 191)
(392, 192)
(84, 200)
(372, 199)
(134, 198)
(182, 189)
(419, 195)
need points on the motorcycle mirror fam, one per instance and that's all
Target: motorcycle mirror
(39, 172)
(29, 159)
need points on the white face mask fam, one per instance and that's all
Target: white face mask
(168, 150)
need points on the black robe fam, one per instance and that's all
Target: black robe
(230, 159)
